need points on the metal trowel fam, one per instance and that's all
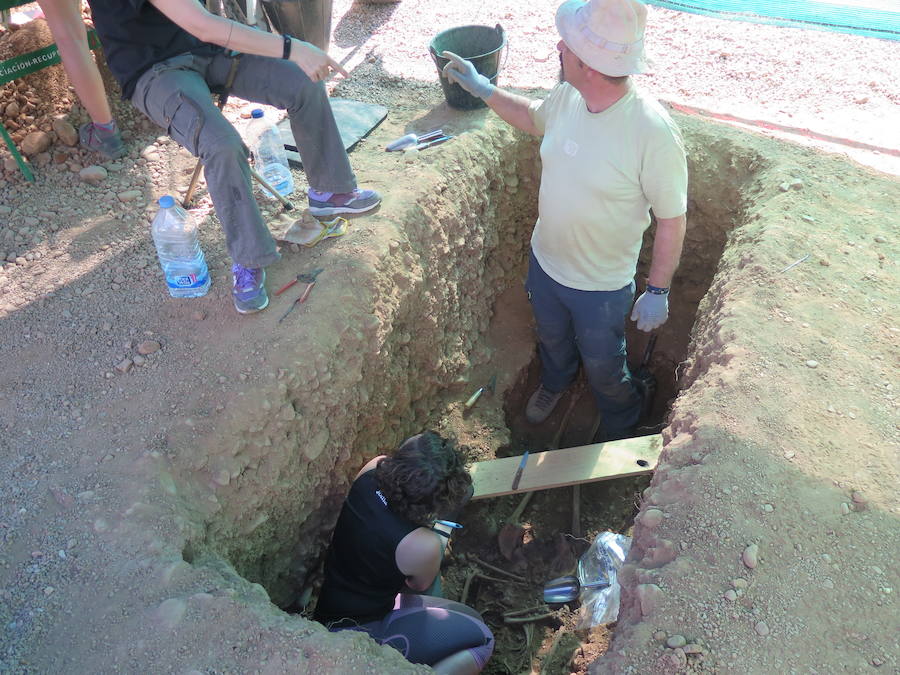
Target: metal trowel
(473, 399)
(566, 589)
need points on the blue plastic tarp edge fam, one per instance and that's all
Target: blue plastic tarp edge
(855, 20)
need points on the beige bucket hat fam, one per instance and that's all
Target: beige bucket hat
(607, 35)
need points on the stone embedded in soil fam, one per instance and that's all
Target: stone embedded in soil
(730, 595)
(148, 347)
(660, 636)
(651, 518)
(66, 132)
(171, 611)
(648, 596)
(812, 363)
(676, 641)
(845, 508)
(93, 174)
(761, 628)
(693, 648)
(128, 195)
(36, 142)
(124, 365)
(750, 556)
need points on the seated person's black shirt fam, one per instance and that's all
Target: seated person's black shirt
(361, 574)
(135, 36)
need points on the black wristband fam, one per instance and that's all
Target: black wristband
(286, 52)
(440, 532)
(656, 290)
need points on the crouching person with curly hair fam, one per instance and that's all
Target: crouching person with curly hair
(386, 542)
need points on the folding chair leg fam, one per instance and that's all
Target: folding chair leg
(23, 165)
(195, 177)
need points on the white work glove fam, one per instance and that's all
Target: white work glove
(651, 310)
(463, 73)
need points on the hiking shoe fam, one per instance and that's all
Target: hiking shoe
(541, 404)
(332, 204)
(107, 143)
(249, 290)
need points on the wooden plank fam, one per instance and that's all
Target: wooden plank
(568, 466)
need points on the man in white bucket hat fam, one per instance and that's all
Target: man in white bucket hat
(609, 154)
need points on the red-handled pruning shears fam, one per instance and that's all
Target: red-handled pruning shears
(309, 279)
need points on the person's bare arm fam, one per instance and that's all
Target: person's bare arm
(196, 20)
(371, 464)
(418, 556)
(667, 250)
(513, 108)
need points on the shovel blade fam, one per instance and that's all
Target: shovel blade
(510, 539)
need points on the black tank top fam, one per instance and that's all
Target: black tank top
(361, 573)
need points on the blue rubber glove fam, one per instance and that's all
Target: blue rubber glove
(650, 311)
(463, 73)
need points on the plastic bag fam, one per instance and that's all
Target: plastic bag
(598, 574)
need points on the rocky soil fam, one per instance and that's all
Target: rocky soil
(162, 459)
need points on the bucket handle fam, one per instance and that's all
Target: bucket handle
(505, 43)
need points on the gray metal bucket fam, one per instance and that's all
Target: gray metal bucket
(308, 20)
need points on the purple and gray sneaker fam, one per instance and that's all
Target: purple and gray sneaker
(99, 138)
(249, 290)
(334, 204)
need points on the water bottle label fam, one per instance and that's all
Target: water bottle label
(182, 281)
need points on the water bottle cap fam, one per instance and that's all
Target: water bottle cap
(166, 201)
(256, 113)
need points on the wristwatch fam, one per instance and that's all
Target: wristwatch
(286, 51)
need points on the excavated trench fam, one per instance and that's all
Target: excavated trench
(420, 337)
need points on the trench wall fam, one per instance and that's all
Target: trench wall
(412, 307)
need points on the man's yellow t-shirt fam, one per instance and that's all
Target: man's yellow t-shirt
(602, 173)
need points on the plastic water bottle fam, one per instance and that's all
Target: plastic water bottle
(269, 156)
(175, 235)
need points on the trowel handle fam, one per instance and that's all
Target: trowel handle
(648, 351)
(402, 142)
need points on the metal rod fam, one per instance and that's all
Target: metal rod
(794, 264)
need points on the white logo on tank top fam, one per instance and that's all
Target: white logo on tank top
(570, 147)
(381, 497)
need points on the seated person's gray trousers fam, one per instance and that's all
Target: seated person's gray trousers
(175, 94)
